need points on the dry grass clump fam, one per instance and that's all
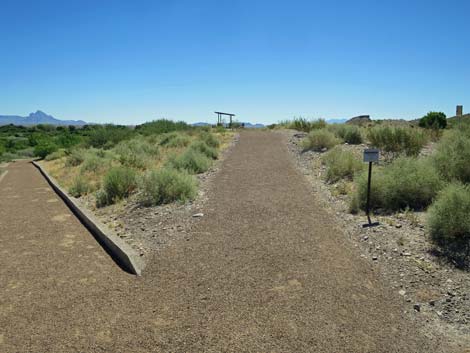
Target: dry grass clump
(320, 140)
(405, 183)
(398, 140)
(449, 222)
(167, 185)
(341, 164)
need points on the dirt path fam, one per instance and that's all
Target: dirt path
(263, 270)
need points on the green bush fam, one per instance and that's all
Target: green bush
(452, 156)
(405, 183)
(350, 134)
(162, 126)
(118, 183)
(341, 164)
(56, 155)
(167, 185)
(175, 139)
(449, 221)
(210, 139)
(79, 187)
(192, 161)
(94, 163)
(44, 148)
(107, 136)
(75, 158)
(318, 140)
(136, 153)
(434, 120)
(203, 148)
(398, 140)
(302, 124)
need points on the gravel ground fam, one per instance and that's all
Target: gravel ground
(432, 289)
(265, 269)
(149, 229)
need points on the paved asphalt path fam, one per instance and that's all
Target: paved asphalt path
(263, 271)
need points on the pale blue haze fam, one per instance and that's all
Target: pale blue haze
(134, 61)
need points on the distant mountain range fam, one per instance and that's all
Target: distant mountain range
(247, 125)
(37, 118)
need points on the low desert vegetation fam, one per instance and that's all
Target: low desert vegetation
(303, 124)
(167, 185)
(398, 140)
(405, 180)
(341, 164)
(434, 120)
(350, 134)
(406, 183)
(153, 164)
(449, 222)
(320, 140)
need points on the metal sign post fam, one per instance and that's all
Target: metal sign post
(370, 156)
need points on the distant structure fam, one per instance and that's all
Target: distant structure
(220, 120)
(459, 110)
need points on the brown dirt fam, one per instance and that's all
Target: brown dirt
(264, 270)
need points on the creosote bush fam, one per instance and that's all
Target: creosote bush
(405, 183)
(119, 183)
(75, 158)
(136, 153)
(210, 139)
(341, 164)
(449, 222)
(175, 139)
(190, 160)
(167, 185)
(452, 156)
(350, 134)
(398, 140)
(203, 148)
(79, 187)
(56, 155)
(319, 140)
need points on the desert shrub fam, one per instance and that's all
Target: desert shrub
(202, 147)
(136, 153)
(79, 187)
(107, 136)
(302, 124)
(210, 139)
(167, 185)
(56, 155)
(162, 126)
(175, 139)
(118, 183)
(44, 148)
(398, 140)
(449, 223)
(94, 163)
(319, 140)
(433, 120)
(75, 158)
(405, 183)
(348, 133)
(341, 164)
(452, 156)
(191, 160)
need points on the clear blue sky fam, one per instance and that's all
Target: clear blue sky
(134, 61)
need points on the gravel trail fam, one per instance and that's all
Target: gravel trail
(264, 270)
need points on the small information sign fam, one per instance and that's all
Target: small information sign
(371, 155)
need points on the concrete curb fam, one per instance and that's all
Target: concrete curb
(121, 252)
(3, 175)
